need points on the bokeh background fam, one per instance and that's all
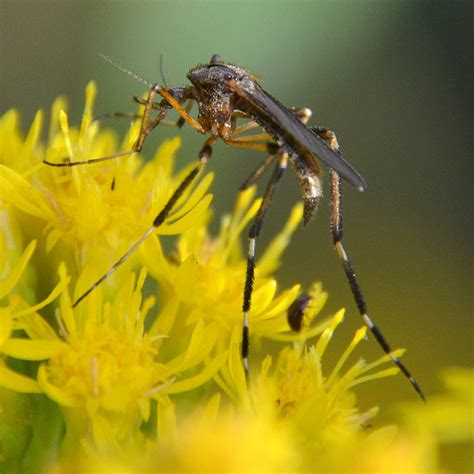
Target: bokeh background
(393, 79)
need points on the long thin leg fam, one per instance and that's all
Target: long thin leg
(267, 147)
(146, 127)
(204, 156)
(129, 115)
(252, 179)
(303, 113)
(253, 235)
(245, 127)
(337, 232)
(260, 137)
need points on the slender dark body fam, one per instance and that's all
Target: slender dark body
(225, 93)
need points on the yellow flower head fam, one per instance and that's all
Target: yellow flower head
(96, 212)
(108, 370)
(145, 374)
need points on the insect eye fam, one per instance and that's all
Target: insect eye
(228, 77)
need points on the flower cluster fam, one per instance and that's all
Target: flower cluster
(145, 374)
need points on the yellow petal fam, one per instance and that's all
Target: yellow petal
(87, 115)
(57, 290)
(270, 260)
(192, 382)
(187, 280)
(63, 122)
(190, 202)
(17, 191)
(55, 393)
(166, 421)
(8, 283)
(280, 304)
(211, 410)
(164, 156)
(59, 104)
(377, 375)
(158, 266)
(193, 218)
(359, 335)
(5, 325)
(17, 382)
(32, 350)
(327, 334)
(262, 296)
(36, 327)
(32, 137)
(52, 239)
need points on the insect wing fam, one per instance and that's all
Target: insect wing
(277, 118)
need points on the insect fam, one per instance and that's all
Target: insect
(224, 93)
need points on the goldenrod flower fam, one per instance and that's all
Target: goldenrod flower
(94, 212)
(155, 383)
(16, 316)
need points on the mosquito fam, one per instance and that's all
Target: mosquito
(225, 93)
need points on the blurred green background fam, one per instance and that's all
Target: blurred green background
(391, 78)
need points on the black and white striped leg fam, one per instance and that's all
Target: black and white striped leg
(254, 232)
(204, 156)
(337, 235)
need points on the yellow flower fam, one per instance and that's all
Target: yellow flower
(108, 370)
(17, 316)
(95, 212)
(145, 375)
(205, 277)
(300, 421)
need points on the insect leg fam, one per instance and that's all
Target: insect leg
(204, 156)
(337, 232)
(252, 179)
(260, 137)
(303, 113)
(157, 106)
(252, 145)
(244, 127)
(146, 127)
(129, 115)
(253, 235)
(180, 109)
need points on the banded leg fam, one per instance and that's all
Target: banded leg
(204, 156)
(337, 232)
(254, 232)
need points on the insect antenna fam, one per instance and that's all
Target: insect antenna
(162, 74)
(123, 69)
